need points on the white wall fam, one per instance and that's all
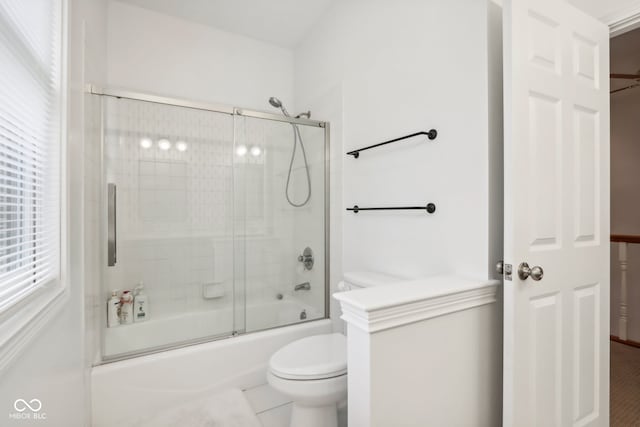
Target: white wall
(625, 204)
(54, 368)
(152, 52)
(449, 379)
(395, 68)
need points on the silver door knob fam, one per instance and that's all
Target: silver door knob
(524, 271)
(500, 267)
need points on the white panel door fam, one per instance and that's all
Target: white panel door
(556, 329)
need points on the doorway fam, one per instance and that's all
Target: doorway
(625, 229)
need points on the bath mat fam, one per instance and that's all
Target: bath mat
(226, 409)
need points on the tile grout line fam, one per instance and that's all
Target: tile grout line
(275, 407)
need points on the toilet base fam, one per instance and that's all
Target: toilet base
(314, 416)
(315, 401)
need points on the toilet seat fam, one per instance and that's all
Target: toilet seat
(311, 358)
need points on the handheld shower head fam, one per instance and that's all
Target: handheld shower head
(275, 102)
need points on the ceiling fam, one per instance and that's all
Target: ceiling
(281, 22)
(625, 57)
(606, 10)
(286, 22)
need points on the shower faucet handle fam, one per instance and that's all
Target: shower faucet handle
(307, 258)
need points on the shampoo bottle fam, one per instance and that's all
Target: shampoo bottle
(140, 304)
(113, 310)
(126, 308)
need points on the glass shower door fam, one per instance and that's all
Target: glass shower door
(218, 219)
(280, 220)
(168, 179)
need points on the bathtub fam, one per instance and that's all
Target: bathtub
(188, 327)
(147, 384)
(274, 313)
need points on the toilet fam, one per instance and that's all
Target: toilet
(312, 371)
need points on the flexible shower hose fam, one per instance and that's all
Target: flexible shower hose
(296, 137)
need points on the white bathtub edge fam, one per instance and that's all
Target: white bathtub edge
(152, 382)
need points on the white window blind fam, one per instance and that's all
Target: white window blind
(30, 147)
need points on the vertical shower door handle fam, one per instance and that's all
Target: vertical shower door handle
(111, 224)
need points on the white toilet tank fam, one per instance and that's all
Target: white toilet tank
(366, 279)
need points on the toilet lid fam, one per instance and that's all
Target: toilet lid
(315, 357)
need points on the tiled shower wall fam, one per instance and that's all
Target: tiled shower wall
(175, 207)
(271, 264)
(203, 213)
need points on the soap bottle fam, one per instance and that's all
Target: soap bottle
(140, 304)
(113, 310)
(126, 308)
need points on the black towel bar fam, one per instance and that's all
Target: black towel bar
(430, 208)
(432, 134)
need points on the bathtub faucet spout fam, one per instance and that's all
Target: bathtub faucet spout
(306, 286)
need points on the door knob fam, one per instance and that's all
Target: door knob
(500, 267)
(524, 271)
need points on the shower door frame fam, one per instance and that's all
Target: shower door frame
(234, 112)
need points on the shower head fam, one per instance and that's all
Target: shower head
(275, 102)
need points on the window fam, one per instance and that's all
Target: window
(30, 150)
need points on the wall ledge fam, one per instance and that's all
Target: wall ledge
(379, 308)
